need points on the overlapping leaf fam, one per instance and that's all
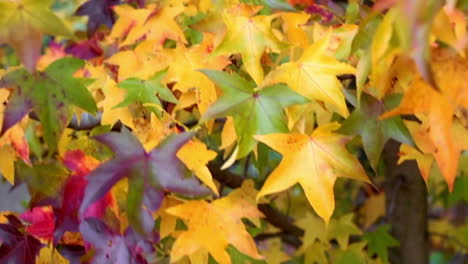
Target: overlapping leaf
(255, 111)
(150, 175)
(314, 162)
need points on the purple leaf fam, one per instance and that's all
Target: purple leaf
(16, 246)
(20, 103)
(99, 13)
(150, 175)
(111, 247)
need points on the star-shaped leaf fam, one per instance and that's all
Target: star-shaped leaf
(112, 247)
(379, 241)
(16, 246)
(314, 76)
(213, 226)
(150, 175)
(249, 36)
(341, 229)
(22, 24)
(48, 94)
(450, 71)
(145, 92)
(99, 13)
(255, 112)
(364, 121)
(314, 162)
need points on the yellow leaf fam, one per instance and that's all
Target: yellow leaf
(7, 163)
(153, 23)
(49, 255)
(168, 221)
(213, 226)
(195, 155)
(314, 76)
(373, 209)
(275, 254)
(314, 162)
(341, 229)
(293, 25)
(113, 96)
(450, 73)
(314, 231)
(249, 36)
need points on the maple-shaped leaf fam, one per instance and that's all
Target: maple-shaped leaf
(112, 247)
(364, 121)
(450, 71)
(249, 36)
(67, 217)
(255, 112)
(195, 155)
(144, 91)
(48, 94)
(86, 49)
(41, 220)
(379, 241)
(99, 13)
(314, 161)
(341, 229)
(150, 175)
(17, 246)
(22, 24)
(213, 226)
(314, 76)
(152, 23)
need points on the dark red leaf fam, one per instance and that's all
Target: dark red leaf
(17, 246)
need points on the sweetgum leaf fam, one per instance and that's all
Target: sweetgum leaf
(111, 247)
(48, 94)
(254, 112)
(379, 241)
(17, 247)
(99, 13)
(150, 175)
(364, 121)
(144, 91)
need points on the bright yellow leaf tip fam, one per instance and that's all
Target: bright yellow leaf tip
(314, 162)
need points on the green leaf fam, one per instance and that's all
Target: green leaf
(364, 121)
(254, 112)
(61, 71)
(379, 241)
(145, 92)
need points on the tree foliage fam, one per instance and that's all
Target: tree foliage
(201, 131)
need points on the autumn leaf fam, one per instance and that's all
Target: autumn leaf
(99, 13)
(314, 76)
(213, 226)
(341, 229)
(195, 155)
(67, 217)
(17, 246)
(149, 174)
(249, 36)
(48, 94)
(314, 162)
(112, 247)
(364, 121)
(145, 92)
(254, 111)
(41, 221)
(22, 24)
(421, 98)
